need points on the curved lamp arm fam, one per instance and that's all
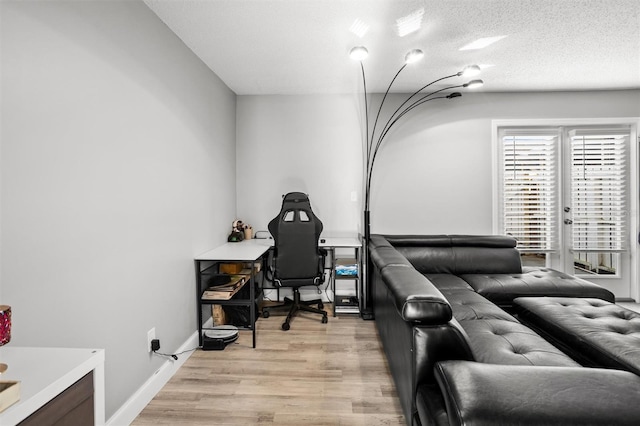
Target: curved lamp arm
(416, 92)
(420, 101)
(375, 123)
(390, 124)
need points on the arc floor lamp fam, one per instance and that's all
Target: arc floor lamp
(374, 141)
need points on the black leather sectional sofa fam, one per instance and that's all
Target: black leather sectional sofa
(450, 309)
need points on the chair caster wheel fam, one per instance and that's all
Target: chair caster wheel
(265, 314)
(325, 320)
(285, 326)
(320, 305)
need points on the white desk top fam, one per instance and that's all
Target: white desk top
(44, 373)
(244, 251)
(340, 242)
(250, 250)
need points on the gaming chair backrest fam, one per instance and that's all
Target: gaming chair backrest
(296, 230)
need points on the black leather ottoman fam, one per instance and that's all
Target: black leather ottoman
(592, 331)
(496, 337)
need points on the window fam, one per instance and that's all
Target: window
(599, 191)
(599, 200)
(529, 189)
(565, 192)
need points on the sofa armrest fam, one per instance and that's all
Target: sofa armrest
(484, 394)
(415, 297)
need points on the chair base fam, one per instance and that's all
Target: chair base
(296, 305)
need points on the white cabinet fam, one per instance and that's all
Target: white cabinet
(44, 374)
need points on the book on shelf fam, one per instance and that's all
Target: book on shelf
(347, 310)
(228, 290)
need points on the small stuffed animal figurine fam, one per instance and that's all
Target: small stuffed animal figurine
(237, 232)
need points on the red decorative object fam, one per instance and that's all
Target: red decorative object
(5, 324)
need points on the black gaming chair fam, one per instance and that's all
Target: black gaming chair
(297, 259)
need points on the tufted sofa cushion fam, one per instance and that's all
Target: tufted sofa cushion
(503, 288)
(498, 341)
(469, 305)
(593, 331)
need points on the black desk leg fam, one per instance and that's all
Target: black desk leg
(252, 307)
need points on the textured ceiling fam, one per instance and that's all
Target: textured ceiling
(301, 46)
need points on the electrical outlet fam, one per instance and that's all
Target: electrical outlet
(151, 335)
(155, 345)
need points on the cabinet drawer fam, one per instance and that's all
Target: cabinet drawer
(74, 407)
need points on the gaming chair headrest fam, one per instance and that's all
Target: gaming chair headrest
(295, 202)
(295, 197)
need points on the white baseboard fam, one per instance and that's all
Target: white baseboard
(134, 405)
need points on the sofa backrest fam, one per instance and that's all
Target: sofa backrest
(458, 254)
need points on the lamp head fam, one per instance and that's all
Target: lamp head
(454, 95)
(413, 56)
(470, 71)
(473, 84)
(358, 53)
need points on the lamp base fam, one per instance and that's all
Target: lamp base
(3, 367)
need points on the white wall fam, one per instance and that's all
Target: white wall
(433, 175)
(118, 166)
(310, 144)
(1, 133)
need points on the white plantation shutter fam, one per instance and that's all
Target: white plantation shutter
(529, 188)
(599, 162)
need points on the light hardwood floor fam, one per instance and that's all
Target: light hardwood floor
(313, 374)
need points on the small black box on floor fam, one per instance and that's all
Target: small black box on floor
(217, 338)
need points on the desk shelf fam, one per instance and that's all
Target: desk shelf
(345, 281)
(240, 299)
(208, 264)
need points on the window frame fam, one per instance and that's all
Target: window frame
(554, 260)
(622, 150)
